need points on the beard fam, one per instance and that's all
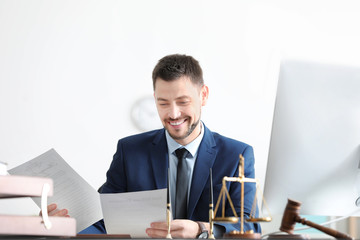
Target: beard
(188, 132)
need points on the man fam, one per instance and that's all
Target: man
(142, 160)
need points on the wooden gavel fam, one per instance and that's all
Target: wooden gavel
(291, 217)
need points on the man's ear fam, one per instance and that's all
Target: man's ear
(204, 95)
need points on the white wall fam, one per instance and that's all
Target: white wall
(70, 71)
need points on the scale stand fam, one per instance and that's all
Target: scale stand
(235, 219)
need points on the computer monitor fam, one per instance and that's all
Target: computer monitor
(314, 153)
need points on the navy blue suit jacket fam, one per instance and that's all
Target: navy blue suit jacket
(141, 162)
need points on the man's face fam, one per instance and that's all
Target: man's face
(179, 105)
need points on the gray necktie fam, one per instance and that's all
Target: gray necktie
(182, 183)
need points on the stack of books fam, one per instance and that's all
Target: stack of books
(15, 225)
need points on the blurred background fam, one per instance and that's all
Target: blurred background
(72, 72)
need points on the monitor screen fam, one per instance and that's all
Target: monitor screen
(314, 154)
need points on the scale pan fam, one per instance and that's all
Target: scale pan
(226, 219)
(263, 219)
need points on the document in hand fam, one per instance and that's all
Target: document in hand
(132, 212)
(71, 191)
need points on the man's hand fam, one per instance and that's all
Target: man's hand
(53, 211)
(180, 228)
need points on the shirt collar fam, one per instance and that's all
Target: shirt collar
(192, 147)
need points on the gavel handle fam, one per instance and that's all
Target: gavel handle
(329, 231)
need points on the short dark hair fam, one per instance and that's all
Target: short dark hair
(174, 66)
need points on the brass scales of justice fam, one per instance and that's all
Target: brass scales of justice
(235, 219)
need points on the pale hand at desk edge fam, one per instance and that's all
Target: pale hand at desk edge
(54, 212)
(180, 228)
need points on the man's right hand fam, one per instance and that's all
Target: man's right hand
(53, 211)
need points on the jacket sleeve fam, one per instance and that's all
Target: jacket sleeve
(116, 181)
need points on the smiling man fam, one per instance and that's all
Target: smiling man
(189, 149)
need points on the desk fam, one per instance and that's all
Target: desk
(81, 236)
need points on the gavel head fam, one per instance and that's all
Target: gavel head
(290, 217)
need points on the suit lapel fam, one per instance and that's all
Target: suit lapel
(159, 159)
(205, 160)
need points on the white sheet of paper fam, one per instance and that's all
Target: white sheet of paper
(71, 191)
(132, 212)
